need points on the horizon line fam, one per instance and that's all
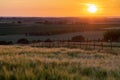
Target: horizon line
(61, 16)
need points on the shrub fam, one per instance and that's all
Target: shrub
(6, 43)
(78, 39)
(3, 43)
(10, 42)
(48, 40)
(23, 41)
(112, 35)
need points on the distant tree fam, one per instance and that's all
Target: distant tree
(10, 43)
(3, 43)
(112, 35)
(48, 40)
(6, 43)
(46, 22)
(79, 38)
(23, 41)
(19, 22)
(39, 41)
(13, 22)
(34, 41)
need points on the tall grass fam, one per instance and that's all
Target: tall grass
(28, 63)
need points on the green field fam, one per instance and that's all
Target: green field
(51, 28)
(32, 63)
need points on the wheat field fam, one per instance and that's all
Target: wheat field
(32, 63)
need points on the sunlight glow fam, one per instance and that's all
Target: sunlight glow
(92, 8)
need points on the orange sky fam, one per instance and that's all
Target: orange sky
(57, 8)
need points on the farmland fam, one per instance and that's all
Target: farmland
(51, 29)
(58, 49)
(53, 26)
(14, 32)
(23, 62)
(41, 29)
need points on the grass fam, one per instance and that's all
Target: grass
(50, 28)
(31, 63)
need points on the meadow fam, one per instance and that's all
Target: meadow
(24, 62)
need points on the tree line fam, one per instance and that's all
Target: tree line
(109, 36)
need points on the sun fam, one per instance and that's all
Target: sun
(92, 8)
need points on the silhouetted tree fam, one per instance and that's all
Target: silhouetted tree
(48, 40)
(3, 43)
(78, 39)
(19, 22)
(112, 35)
(39, 41)
(10, 43)
(23, 41)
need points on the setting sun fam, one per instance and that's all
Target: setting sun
(92, 8)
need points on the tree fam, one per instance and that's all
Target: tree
(23, 41)
(78, 38)
(112, 35)
(48, 40)
(3, 43)
(19, 22)
(10, 43)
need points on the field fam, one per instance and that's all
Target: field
(53, 29)
(57, 60)
(35, 63)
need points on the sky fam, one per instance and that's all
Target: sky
(58, 8)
